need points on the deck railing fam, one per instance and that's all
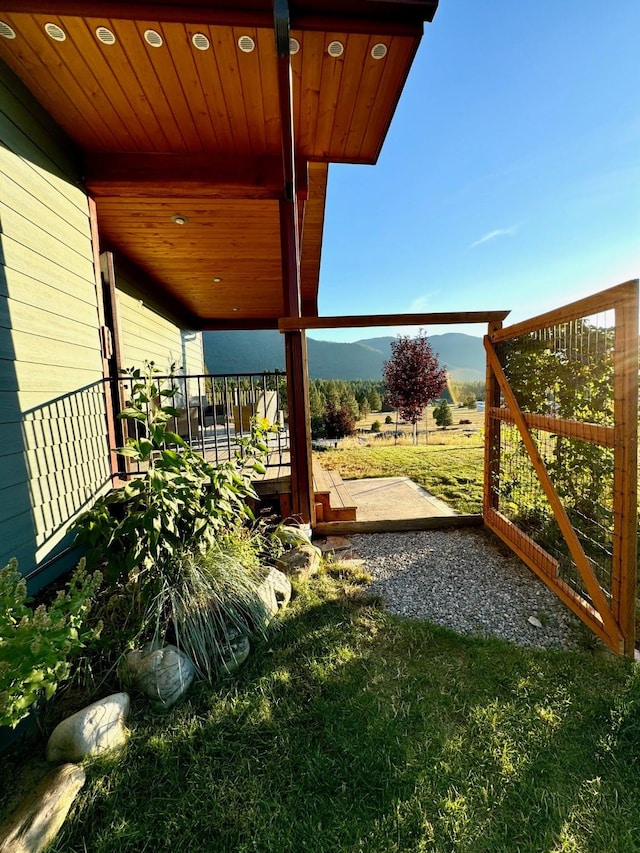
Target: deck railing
(215, 411)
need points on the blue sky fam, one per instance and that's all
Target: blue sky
(510, 177)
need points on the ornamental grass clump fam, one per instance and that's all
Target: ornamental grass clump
(204, 603)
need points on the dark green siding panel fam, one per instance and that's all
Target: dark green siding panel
(53, 446)
(40, 137)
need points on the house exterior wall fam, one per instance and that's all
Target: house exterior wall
(53, 446)
(54, 454)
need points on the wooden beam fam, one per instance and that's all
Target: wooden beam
(586, 307)
(599, 434)
(396, 525)
(393, 19)
(288, 324)
(165, 175)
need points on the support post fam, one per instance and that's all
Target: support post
(302, 499)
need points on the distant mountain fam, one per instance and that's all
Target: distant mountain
(254, 352)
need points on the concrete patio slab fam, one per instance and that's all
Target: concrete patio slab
(394, 498)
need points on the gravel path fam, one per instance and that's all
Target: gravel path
(466, 581)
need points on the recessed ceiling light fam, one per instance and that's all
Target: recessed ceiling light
(6, 31)
(179, 219)
(55, 32)
(294, 46)
(200, 41)
(335, 49)
(246, 44)
(235, 309)
(217, 279)
(379, 51)
(105, 35)
(153, 38)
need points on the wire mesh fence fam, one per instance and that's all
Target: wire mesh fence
(562, 453)
(564, 372)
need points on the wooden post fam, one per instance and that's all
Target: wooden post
(291, 215)
(491, 433)
(106, 340)
(625, 477)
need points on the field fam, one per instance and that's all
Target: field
(446, 462)
(428, 433)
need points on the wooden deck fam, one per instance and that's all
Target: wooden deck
(332, 499)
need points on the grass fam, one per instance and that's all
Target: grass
(355, 731)
(452, 473)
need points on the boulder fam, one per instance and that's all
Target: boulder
(162, 674)
(303, 560)
(94, 729)
(37, 820)
(236, 653)
(275, 591)
(291, 536)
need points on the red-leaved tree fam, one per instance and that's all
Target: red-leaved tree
(413, 377)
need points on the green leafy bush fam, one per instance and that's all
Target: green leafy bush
(376, 426)
(182, 500)
(36, 645)
(388, 419)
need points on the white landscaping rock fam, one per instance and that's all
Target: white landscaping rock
(162, 674)
(38, 819)
(94, 729)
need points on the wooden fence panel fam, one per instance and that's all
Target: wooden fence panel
(561, 454)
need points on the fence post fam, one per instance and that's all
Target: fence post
(625, 477)
(491, 433)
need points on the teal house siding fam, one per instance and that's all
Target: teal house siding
(53, 445)
(54, 454)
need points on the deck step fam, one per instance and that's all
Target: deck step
(332, 497)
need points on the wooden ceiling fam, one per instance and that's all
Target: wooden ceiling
(171, 132)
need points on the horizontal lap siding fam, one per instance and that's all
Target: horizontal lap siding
(53, 445)
(147, 336)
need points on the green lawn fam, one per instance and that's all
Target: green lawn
(354, 731)
(452, 473)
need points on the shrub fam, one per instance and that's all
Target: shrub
(181, 501)
(388, 419)
(36, 645)
(376, 426)
(338, 422)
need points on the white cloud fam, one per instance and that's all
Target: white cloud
(492, 235)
